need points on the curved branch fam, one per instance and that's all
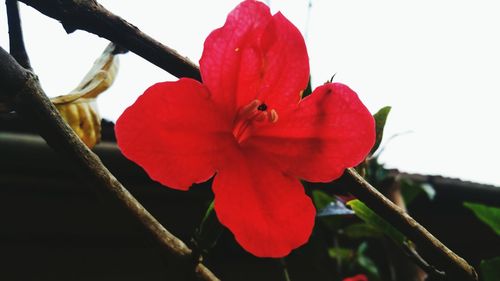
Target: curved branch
(22, 87)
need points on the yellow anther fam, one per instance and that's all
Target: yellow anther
(273, 116)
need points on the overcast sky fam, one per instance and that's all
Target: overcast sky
(437, 63)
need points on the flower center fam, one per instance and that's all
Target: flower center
(253, 114)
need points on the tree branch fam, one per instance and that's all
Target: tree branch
(92, 17)
(434, 251)
(411, 253)
(16, 41)
(22, 87)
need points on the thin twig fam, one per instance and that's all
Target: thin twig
(286, 274)
(415, 257)
(16, 41)
(92, 17)
(22, 87)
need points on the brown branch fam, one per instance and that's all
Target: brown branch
(16, 41)
(92, 17)
(433, 250)
(405, 261)
(411, 253)
(22, 87)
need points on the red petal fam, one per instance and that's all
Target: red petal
(255, 56)
(327, 132)
(173, 132)
(266, 210)
(359, 277)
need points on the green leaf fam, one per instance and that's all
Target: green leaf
(321, 199)
(489, 215)
(365, 262)
(308, 90)
(380, 118)
(370, 217)
(208, 212)
(429, 190)
(411, 190)
(361, 230)
(209, 230)
(490, 269)
(375, 172)
(341, 253)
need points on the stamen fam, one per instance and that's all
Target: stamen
(254, 112)
(273, 116)
(248, 110)
(261, 117)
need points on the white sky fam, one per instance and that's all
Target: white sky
(437, 63)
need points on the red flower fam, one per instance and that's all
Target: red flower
(248, 125)
(359, 277)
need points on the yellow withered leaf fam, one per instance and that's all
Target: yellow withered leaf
(79, 107)
(82, 116)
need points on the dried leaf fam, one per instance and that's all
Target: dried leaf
(81, 115)
(79, 107)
